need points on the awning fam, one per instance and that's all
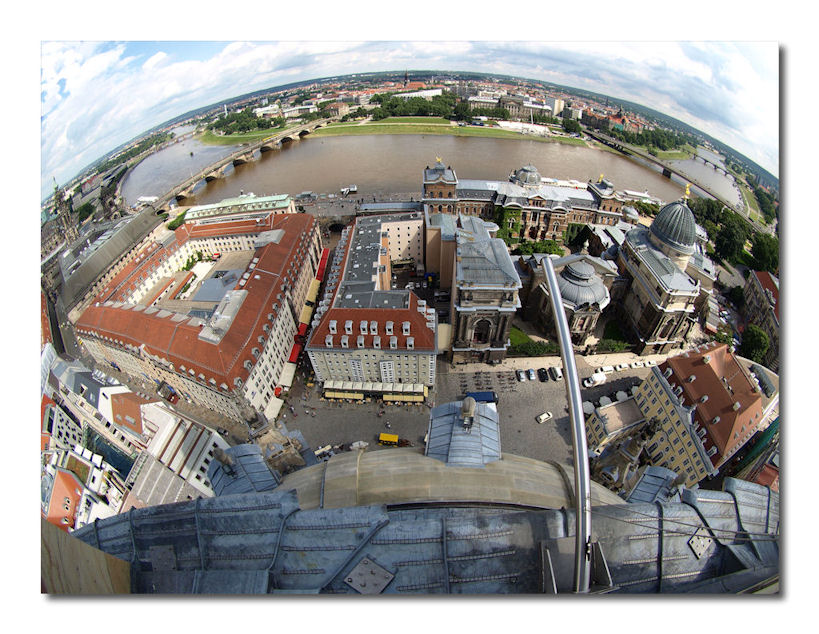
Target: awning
(273, 408)
(312, 292)
(287, 375)
(294, 353)
(306, 314)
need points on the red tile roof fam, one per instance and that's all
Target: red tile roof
(725, 383)
(767, 282)
(64, 493)
(178, 341)
(45, 323)
(125, 408)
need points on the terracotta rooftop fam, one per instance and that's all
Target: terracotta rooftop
(768, 283)
(125, 408)
(45, 323)
(722, 380)
(175, 337)
(65, 492)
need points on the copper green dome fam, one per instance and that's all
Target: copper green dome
(675, 226)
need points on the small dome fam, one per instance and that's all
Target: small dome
(675, 226)
(528, 175)
(579, 285)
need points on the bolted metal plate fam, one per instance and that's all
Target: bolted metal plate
(368, 577)
(700, 542)
(163, 557)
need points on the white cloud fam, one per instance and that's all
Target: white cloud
(96, 96)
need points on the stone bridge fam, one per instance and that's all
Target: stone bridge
(245, 154)
(668, 170)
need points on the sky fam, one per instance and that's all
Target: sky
(96, 95)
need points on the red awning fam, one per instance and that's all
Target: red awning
(277, 391)
(294, 353)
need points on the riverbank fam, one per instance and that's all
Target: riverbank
(356, 129)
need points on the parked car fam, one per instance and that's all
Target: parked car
(595, 379)
(606, 369)
(542, 418)
(649, 363)
(621, 366)
(556, 374)
(521, 375)
(531, 374)
(542, 375)
(637, 364)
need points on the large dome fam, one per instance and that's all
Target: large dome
(675, 226)
(528, 175)
(579, 285)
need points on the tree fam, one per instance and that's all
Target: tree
(571, 126)
(729, 242)
(766, 252)
(755, 343)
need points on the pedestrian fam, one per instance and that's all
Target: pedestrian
(387, 425)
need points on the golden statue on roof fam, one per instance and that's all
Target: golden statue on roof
(687, 190)
(438, 159)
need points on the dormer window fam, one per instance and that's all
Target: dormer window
(333, 326)
(328, 341)
(345, 341)
(389, 327)
(377, 342)
(360, 341)
(373, 327)
(410, 343)
(405, 328)
(362, 326)
(348, 326)
(393, 343)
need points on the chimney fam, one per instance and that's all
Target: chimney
(736, 406)
(703, 398)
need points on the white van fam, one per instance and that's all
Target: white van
(606, 369)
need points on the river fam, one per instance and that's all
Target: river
(381, 165)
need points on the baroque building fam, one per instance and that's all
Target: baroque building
(485, 292)
(526, 207)
(660, 302)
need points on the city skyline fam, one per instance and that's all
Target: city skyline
(96, 96)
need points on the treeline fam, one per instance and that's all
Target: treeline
(462, 112)
(391, 106)
(245, 121)
(145, 144)
(657, 138)
(766, 204)
(729, 232)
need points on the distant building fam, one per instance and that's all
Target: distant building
(533, 208)
(423, 94)
(761, 294)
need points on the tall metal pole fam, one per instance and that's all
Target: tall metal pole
(582, 478)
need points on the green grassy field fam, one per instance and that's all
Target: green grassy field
(209, 138)
(427, 128)
(430, 120)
